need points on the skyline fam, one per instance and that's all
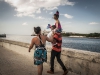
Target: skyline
(20, 16)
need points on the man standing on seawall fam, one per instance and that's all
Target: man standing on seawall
(56, 52)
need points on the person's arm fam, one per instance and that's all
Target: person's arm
(31, 45)
(52, 32)
(57, 22)
(49, 39)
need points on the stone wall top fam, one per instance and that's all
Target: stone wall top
(68, 52)
(15, 42)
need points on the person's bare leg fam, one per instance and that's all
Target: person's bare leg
(40, 69)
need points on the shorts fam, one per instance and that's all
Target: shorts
(40, 56)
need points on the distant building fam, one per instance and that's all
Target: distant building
(2, 35)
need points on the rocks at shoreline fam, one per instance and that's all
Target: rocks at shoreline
(2, 35)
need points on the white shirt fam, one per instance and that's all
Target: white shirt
(50, 34)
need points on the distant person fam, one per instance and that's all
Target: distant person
(40, 53)
(56, 52)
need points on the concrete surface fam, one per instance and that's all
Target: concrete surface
(12, 63)
(79, 62)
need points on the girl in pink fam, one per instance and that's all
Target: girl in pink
(57, 23)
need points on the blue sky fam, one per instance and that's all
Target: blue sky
(20, 16)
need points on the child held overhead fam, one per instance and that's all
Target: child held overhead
(57, 22)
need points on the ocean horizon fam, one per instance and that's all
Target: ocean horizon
(80, 43)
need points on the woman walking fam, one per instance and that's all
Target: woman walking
(40, 53)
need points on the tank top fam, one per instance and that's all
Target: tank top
(59, 26)
(41, 46)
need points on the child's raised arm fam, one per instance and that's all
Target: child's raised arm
(57, 22)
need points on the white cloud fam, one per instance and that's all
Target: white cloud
(24, 14)
(38, 11)
(68, 16)
(93, 23)
(25, 23)
(51, 13)
(40, 17)
(31, 7)
(50, 8)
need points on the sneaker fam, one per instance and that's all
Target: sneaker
(65, 73)
(51, 72)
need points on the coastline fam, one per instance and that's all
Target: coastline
(82, 37)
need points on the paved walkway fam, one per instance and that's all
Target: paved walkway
(12, 63)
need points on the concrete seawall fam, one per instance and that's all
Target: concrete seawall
(77, 61)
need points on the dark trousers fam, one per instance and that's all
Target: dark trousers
(57, 55)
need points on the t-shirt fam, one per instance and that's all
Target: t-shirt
(58, 38)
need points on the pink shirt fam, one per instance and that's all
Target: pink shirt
(59, 26)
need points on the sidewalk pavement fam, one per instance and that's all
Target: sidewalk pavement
(12, 63)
